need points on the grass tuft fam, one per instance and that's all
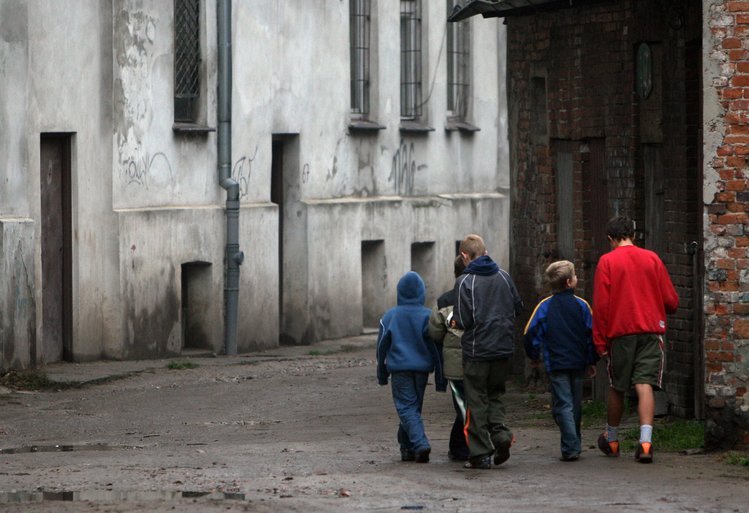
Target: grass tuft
(594, 413)
(28, 380)
(181, 365)
(668, 436)
(737, 458)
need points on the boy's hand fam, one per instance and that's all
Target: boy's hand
(382, 382)
(591, 371)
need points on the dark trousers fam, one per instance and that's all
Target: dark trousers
(408, 395)
(484, 382)
(458, 445)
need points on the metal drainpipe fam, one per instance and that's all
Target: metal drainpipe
(234, 257)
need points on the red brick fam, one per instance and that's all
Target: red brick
(736, 139)
(742, 67)
(725, 197)
(742, 242)
(731, 42)
(741, 32)
(736, 253)
(736, 185)
(728, 286)
(725, 263)
(738, 162)
(737, 55)
(730, 93)
(736, 6)
(725, 150)
(741, 308)
(738, 129)
(741, 328)
(742, 19)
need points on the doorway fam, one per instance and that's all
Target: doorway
(56, 245)
(285, 193)
(196, 305)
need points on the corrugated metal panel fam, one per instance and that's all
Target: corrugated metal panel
(503, 8)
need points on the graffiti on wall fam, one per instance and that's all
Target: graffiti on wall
(305, 173)
(139, 170)
(404, 168)
(242, 172)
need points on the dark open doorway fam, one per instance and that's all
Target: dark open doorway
(285, 192)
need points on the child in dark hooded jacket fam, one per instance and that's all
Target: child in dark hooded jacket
(406, 355)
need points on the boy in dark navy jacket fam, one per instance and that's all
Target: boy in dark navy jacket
(407, 355)
(560, 332)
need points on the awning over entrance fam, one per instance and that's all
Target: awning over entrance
(502, 8)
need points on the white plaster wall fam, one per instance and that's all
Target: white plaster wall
(70, 91)
(147, 199)
(291, 76)
(17, 285)
(152, 165)
(14, 197)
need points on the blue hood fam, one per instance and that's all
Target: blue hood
(483, 266)
(411, 289)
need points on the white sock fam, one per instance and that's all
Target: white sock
(646, 433)
(611, 433)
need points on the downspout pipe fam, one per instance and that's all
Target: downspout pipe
(233, 256)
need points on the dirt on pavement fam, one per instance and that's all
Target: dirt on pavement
(304, 429)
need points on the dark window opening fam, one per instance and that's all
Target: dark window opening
(410, 44)
(458, 65)
(360, 25)
(186, 60)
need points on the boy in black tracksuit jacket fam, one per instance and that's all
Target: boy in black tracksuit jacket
(487, 303)
(560, 331)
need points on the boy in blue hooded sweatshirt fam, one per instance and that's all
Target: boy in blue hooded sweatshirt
(406, 354)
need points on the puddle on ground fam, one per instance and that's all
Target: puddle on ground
(65, 448)
(114, 496)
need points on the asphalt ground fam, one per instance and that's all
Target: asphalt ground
(304, 429)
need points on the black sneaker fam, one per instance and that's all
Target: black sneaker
(483, 462)
(502, 451)
(422, 456)
(569, 457)
(407, 455)
(644, 452)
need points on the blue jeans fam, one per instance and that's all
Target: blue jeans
(566, 407)
(408, 396)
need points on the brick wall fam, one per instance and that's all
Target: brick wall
(586, 57)
(726, 231)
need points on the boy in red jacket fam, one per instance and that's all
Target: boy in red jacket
(632, 294)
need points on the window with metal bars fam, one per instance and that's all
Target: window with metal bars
(360, 27)
(458, 65)
(410, 59)
(186, 60)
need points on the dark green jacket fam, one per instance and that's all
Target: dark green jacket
(446, 335)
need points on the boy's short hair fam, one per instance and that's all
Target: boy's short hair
(558, 273)
(620, 228)
(473, 245)
(459, 265)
